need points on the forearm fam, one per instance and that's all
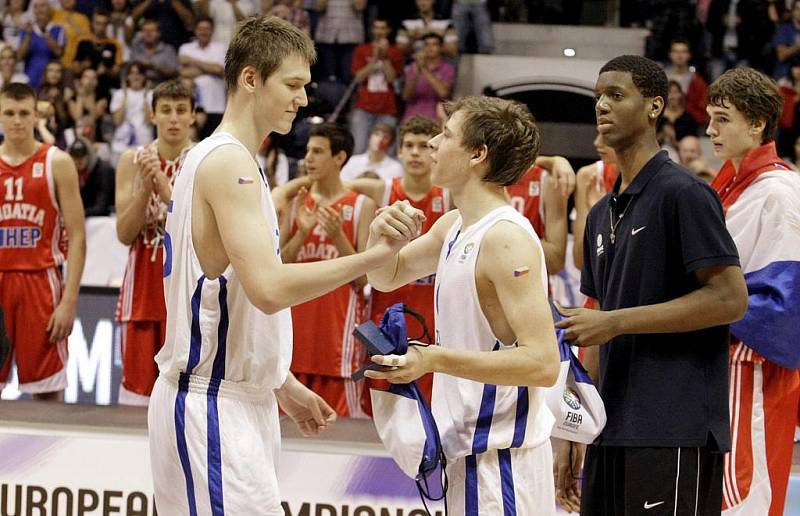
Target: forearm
(364, 72)
(295, 283)
(705, 307)
(190, 71)
(290, 249)
(131, 219)
(118, 116)
(518, 366)
(186, 15)
(76, 257)
(345, 248)
(389, 71)
(553, 256)
(409, 87)
(384, 278)
(440, 87)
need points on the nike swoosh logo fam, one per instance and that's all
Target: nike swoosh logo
(651, 505)
(634, 231)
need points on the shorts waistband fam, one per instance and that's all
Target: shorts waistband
(222, 388)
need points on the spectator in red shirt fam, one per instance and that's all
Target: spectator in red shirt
(691, 82)
(376, 65)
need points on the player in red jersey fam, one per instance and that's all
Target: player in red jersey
(594, 181)
(541, 196)
(325, 222)
(39, 196)
(144, 185)
(414, 187)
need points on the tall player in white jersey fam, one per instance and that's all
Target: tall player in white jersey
(213, 418)
(497, 348)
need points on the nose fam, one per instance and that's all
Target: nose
(303, 100)
(601, 106)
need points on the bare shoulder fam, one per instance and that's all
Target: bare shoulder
(227, 166)
(62, 161)
(507, 241)
(443, 225)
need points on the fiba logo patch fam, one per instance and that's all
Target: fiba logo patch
(467, 249)
(571, 398)
(437, 205)
(533, 189)
(600, 249)
(38, 169)
(347, 212)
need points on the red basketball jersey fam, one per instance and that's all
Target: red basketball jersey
(417, 295)
(141, 297)
(609, 172)
(30, 220)
(323, 327)
(526, 197)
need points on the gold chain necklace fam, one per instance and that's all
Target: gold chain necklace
(613, 236)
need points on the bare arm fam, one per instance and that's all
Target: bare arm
(185, 13)
(118, 116)
(418, 259)
(249, 245)
(70, 205)
(720, 299)
(441, 88)
(140, 9)
(372, 188)
(25, 44)
(523, 301)
(554, 242)
(367, 216)
(786, 52)
(410, 85)
(202, 8)
(132, 196)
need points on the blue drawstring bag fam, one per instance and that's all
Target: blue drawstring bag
(402, 417)
(574, 401)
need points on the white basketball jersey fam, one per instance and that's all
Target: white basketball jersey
(473, 417)
(214, 333)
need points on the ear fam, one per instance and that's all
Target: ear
(479, 155)
(340, 158)
(757, 130)
(656, 108)
(248, 78)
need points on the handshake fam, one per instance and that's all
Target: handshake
(396, 225)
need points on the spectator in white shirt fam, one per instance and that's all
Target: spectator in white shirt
(376, 158)
(204, 61)
(130, 111)
(226, 14)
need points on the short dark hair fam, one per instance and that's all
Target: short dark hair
(754, 94)
(18, 91)
(436, 35)
(101, 11)
(418, 124)
(506, 128)
(338, 136)
(200, 19)
(172, 89)
(648, 77)
(150, 20)
(680, 41)
(263, 42)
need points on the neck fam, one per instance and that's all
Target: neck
(426, 15)
(416, 187)
(630, 160)
(680, 69)
(170, 151)
(329, 187)
(375, 156)
(239, 122)
(22, 148)
(475, 199)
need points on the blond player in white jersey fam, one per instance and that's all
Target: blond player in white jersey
(213, 417)
(496, 342)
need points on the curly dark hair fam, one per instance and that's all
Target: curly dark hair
(506, 128)
(418, 124)
(648, 77)
(754, 94)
